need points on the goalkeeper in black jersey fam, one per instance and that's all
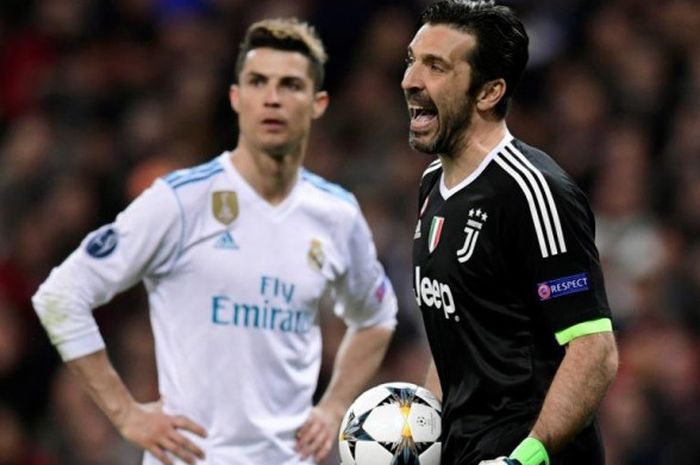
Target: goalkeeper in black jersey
(506, 272)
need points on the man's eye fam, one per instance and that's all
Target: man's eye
(293, 85)
(409, 61)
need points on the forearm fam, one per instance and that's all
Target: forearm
(105, 386)
(432, 381)
(588, 368)
(359, 356)
(144, 425)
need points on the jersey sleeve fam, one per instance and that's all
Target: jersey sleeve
(561, 267)
(143, 240)
(364, 294)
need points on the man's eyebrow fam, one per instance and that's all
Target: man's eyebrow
(287, 77)
(428, 57)
(256, 74)
(432, 58)
(292, 78)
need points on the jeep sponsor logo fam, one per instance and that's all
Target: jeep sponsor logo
(434, 294)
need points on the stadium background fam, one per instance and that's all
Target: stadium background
(98, 97)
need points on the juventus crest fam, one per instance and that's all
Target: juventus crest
(475, 222)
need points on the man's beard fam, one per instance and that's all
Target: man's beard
(452, 126)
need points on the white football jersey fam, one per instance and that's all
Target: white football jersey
(234, 286)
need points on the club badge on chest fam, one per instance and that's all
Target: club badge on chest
(475, 222)
(316, 257)
(224, 206)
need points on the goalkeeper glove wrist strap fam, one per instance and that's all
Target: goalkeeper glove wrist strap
(530, 452)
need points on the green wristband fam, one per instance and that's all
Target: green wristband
(530, 452)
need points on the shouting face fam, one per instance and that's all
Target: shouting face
(436, 85)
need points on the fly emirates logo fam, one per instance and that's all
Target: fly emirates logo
(434, 294)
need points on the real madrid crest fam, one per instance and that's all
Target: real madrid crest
(225, 206)
(316, 256)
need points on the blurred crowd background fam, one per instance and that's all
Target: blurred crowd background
(99, 97)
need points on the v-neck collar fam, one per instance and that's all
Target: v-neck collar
(276, 212)
(446, 192)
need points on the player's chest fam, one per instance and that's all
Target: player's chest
(290, 261)
(457, 235)
(457, 258)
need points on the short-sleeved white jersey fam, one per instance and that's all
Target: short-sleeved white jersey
(234, 287)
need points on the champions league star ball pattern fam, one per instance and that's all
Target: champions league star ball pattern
(392, 424)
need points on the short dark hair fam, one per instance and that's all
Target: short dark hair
(501, 42)
(287, 34)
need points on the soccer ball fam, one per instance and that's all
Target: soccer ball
(392, 424)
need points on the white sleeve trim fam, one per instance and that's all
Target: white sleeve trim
(84, 345)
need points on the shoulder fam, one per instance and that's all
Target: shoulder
(534, 174)
(430, 176)
(329, 193)
(191, 184)
(194, 175)
(192, 190)
(332, 208)
(548, 198)
(434, 167)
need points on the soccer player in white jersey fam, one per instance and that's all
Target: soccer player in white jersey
(236, 255)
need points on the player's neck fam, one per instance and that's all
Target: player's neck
(479, 140)
(272, 177)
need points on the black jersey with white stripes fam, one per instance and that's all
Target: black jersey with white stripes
(502, 263)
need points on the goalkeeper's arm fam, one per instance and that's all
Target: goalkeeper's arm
(588, 368)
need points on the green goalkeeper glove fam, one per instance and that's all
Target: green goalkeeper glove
(529, 452)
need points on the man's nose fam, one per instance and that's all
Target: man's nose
(411, 79)
(272, 96)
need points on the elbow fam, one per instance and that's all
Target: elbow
(600, 351)
(40, 299)
(611, 359)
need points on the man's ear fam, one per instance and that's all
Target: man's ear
(233, 96)
(321, 100)
(490, 94)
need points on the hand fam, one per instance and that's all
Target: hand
(149, 428)
(317, 434)
(500, 461)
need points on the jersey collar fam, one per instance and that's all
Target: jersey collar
(246, 190)
(446, 192)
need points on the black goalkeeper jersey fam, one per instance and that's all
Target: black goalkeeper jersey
(503, 262)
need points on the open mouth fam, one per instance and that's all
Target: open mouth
(422, 117)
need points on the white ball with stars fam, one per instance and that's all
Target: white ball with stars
(392, 424)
